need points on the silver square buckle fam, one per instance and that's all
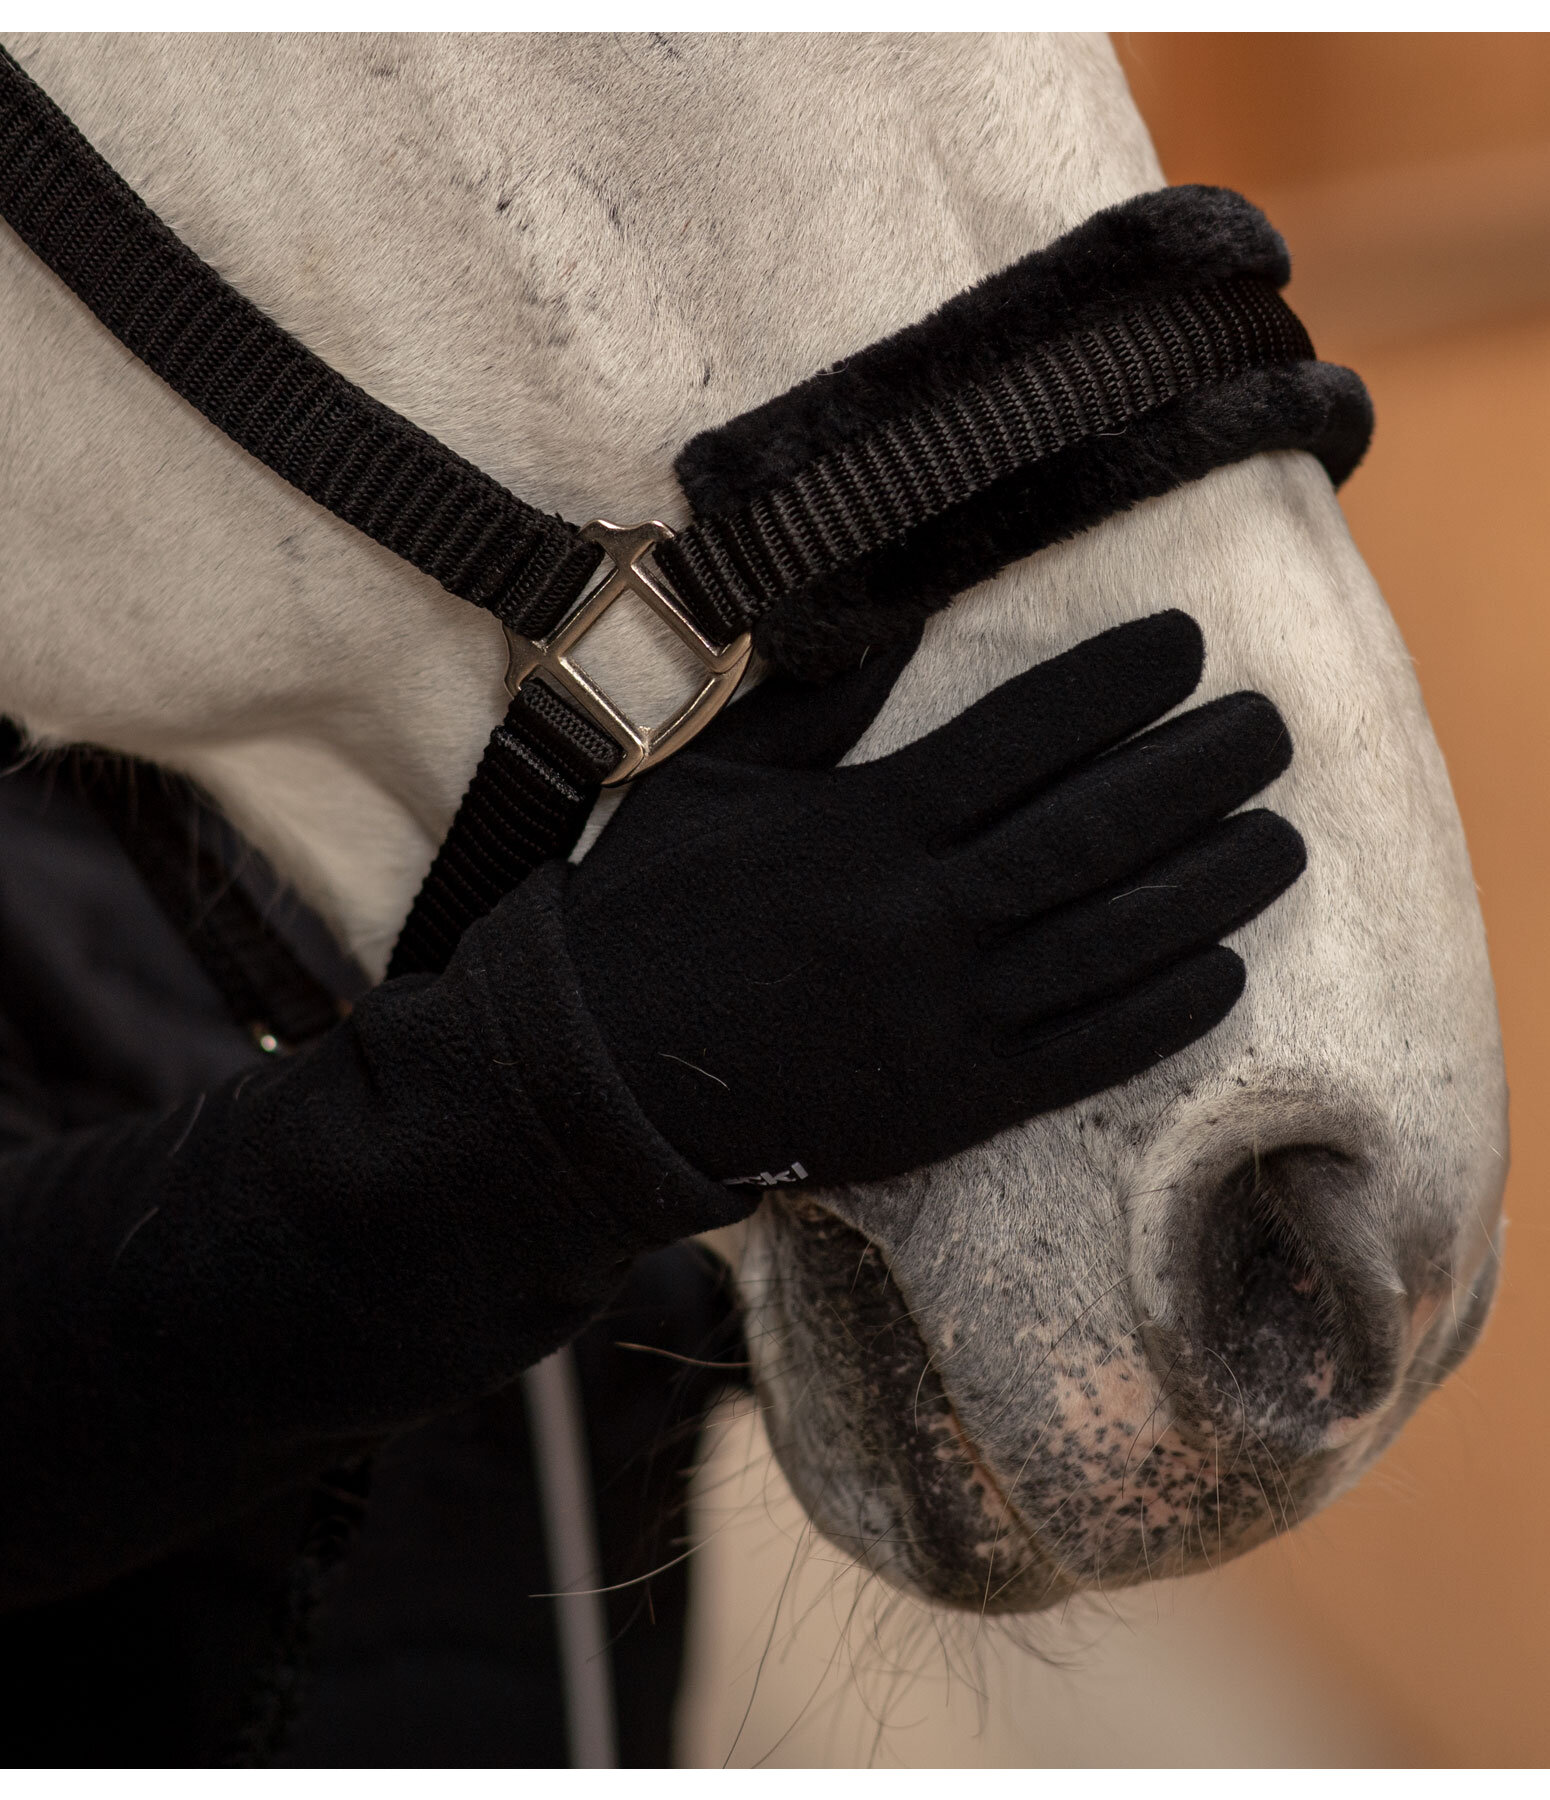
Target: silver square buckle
(641, 746)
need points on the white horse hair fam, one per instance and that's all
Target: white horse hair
(564, 256)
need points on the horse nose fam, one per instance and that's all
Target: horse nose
(1278, 1316)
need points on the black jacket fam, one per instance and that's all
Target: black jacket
(230, 1284)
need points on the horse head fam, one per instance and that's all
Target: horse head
(1125, 1339)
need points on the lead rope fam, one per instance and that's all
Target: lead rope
(557, 1423)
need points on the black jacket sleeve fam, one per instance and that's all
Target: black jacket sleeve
(203, 1307)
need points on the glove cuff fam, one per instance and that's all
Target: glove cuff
(558, 1057)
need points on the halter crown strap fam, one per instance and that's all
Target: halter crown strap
(263, 387)
(1142, 349)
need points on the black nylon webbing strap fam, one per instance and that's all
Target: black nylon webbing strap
(874, 490)
(264, 388)
(536, 782)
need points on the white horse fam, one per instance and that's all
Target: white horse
(1122, 1340)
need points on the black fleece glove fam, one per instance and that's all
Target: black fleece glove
(805, 971)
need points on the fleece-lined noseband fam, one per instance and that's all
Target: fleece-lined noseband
(1138, 352)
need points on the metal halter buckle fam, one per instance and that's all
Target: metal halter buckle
(641, 746)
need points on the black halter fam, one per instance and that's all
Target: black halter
(1141, 350)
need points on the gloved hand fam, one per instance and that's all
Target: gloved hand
(805, 971)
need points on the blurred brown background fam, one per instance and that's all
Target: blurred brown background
(1410, 174)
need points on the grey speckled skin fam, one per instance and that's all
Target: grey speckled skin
(1125, 1339)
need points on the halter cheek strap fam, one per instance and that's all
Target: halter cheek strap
(1137, 352)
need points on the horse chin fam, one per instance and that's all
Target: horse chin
(1100, 1482)
(864, 1426)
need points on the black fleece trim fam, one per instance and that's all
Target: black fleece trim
(1316, 407)
(1153, 244)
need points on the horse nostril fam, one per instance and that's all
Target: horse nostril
(1282, 1326)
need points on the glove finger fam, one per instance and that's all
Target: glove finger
(1109, 1044)
(786, 723)
(1123, 811)
(1116, 940)
(1046, 721)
